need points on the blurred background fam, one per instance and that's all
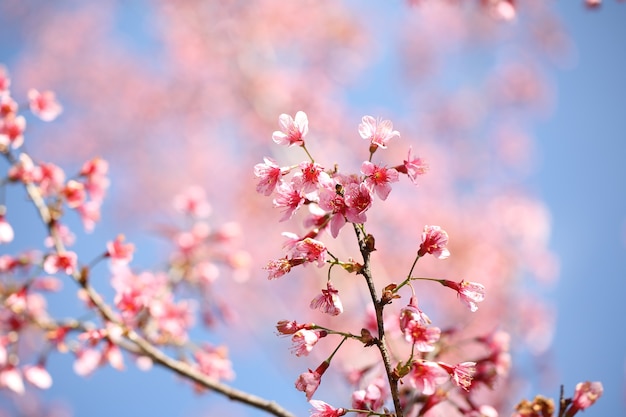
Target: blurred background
(521, 122)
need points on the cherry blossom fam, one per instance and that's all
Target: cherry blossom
(461, 373)
(269, 173)
(192, 201)
(328, 301)
(74, 193)
(378, 132)
(470, 293)
(303, 341)
(358, 200)
(371, 398)
(322, 409)
(44, 105)
(585, 395)
(37, 375)
(378, 178)
(313, 176)
(310, 250)
(12, 131)
(120, 253)
(289, 196)
(334, 202)
(292, 130)
(424, 338)
(213, 361)
(11, 378)
(426, 376)
(309, 381)
(65, 262)
(412, 166)
(434, 242)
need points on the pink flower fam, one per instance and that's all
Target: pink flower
(89, 213)
(310, 250)
(370, 398)
(6, 231)
(413, 167)
(12, 131)
(434, 241)
(412, 313)
(278, 267)
(308, 382)
(425, 376)
(74, 193)
(424, 338)
(322, 409)
(7, 104)
(11, 378)
(328, 301)
(378, 178)
(292, 131)
(358, 200)
(334, 202)
(469, 292)
(313, 176)
(120, 253)
(268, 173)
(585, 395)
(38, 376)
(376, 131)
(96, 182)
(213, 361)
(51, 180)
(289, 196)
(65, 262)
(44, 105)
(461, 373)
(303, 341)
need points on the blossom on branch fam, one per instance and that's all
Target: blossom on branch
(44, 105)
(378, 132)
(470, 293)
(322, 409)
(378, 178)
(269, 173)
(434, 242)
(65, 262)
(292, 130)
(328, 301)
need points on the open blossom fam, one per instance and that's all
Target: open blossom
(358, 200)
(322, 409)
(334, 202)
(120, 253)
(289, 196)
(74, 193)
(470, 293)
(65, 262)
(310, 250)
(426, 376)
(378, 178)
(412, 313)
(313, 176)
(292, 130)
(412, 166)
(269, 174)
(44, 105)
(303, 341)
(461, 373)
(213, 361)
(278, 267)
(424, 338)
(12, 131)
(376, 131)
(434, 241)
(328, 301)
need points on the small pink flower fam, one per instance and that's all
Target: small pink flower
(358, 200)
(44, 105)
(586, 394)
(434, 241)
(96, 180)
(426, 376)
(12, 131)
(38, 376)
(328, 301)
(11, 378)
(65, 262)
(470, 293)
(308, 382)
(376, 131)
(310, 250)
(303, 341)
(120, 253)
(290, 197)
(278, 267)
(292, 131)
(331, 201)
(461, 373)
(378, 178)
(89, 213)
(412, 313)
(51, 180)
(313, 176)
(269, 173)
(322, 409)
(424, 338)
(413, 167)
(7, 104)
(370, 398)
(74, 193)
(6, 231)
(213, 361)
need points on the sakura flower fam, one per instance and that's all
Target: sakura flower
(303, 341)
(412, 313)
(469, 292)
(74, 193)
(585, 395)
(358, 200)
(370, 398)
(424, 338)
(120, 253)
(322, 409)
(292, 130)
(38, 376)
(12, 131)
(96, 180)
(7, 104)
(279, 267)
(308, 382)
(328, 301)
(334, 202)
(286, 327)
(51, 179)
(269, 174)
(313, 176)
(6, 231)
(290, 197)
(89, 213)
(434, 242)
(376, 131)
(24, 169)
(11, 378)
(426, 376)
(213, 361)
(44, 105)
(378, 178)
(310, 250)
(65, 262)
(461, 373)
(413, 167)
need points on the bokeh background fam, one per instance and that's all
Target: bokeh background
(522, 123)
